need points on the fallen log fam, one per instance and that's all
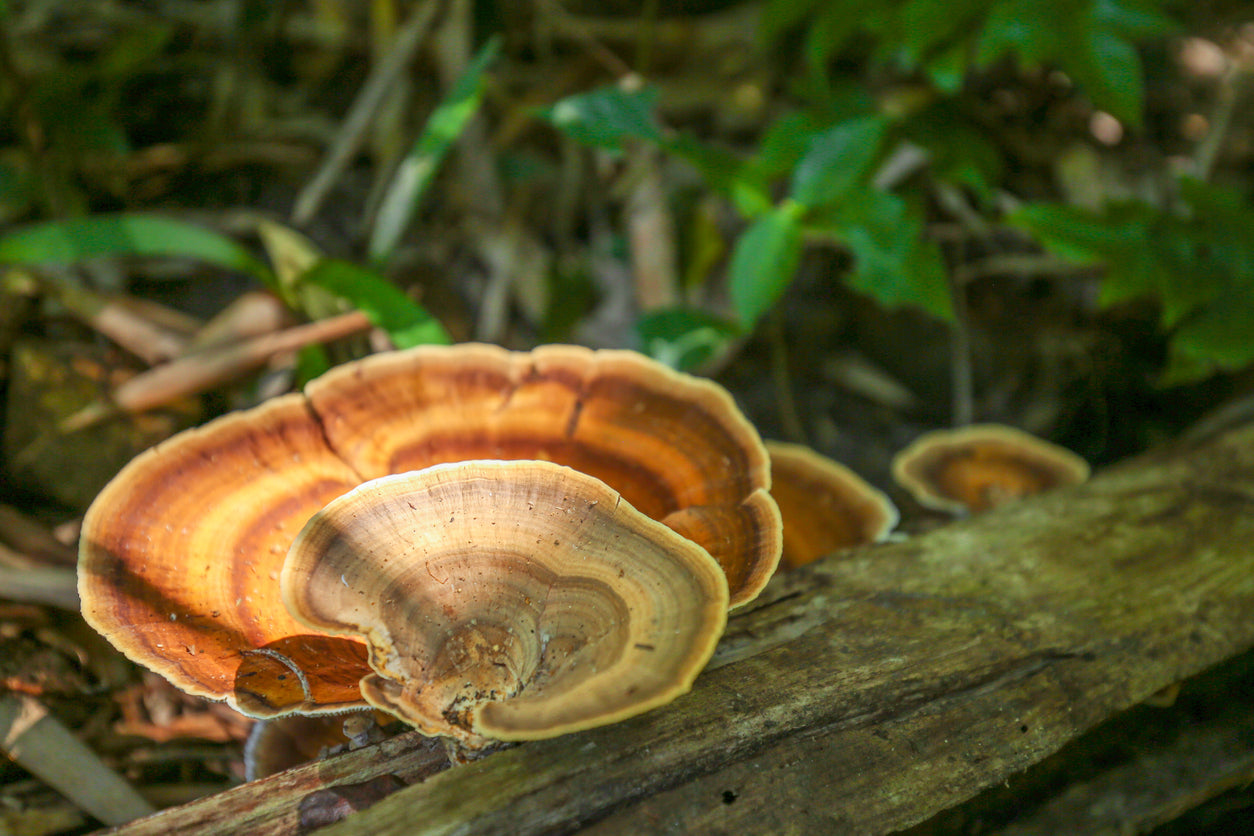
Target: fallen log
(873, 689)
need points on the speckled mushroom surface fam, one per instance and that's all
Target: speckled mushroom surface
(825, 506)
(975, 468)
(508, 600)
(181, 552)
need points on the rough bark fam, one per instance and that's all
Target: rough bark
(876, 688)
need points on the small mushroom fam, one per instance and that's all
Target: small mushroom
(975, 468)
(507, 600)
(181, 553)
(280, 743)
(825, 506)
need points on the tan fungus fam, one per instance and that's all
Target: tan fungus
(825, 506)
(978, 467)
(508, 600)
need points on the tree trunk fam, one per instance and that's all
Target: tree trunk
(874, 689)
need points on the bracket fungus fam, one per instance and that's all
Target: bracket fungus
(824, 505)
(974, 468)
(181, 554)
(507, 600)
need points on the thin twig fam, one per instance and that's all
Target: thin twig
(1232, 88)
(362, 112)
(197, 372)
(963, 397)
(53, 586)
(30, 538)
(46, 748)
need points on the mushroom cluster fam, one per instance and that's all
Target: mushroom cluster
(487, 544)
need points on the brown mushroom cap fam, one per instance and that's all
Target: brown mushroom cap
(825, 506)
(675, 446)
(508, 600)
(181, 552)
(180, 557)
(975, 468)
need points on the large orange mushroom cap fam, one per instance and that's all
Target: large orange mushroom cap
(675, 446)
(180, 557)
(181, 553)
(824, 505)
(509, 600)
(978, 467)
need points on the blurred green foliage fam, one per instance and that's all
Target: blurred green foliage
(881, 114)
(818, 173)
(1196, 259)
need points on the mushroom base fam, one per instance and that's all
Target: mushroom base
(478, 664)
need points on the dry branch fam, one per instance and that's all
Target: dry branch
(873, 690)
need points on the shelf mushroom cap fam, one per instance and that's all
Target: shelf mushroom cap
(180, 554)
(824, 505)
(675, 446)
(507, 600)
(975, 468)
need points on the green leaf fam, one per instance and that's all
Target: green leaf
(1216, 340)
(926, 27)
(1026, 28)
(960, 151)
(406, 323)
(784, 143)
(311, 361)
(1110, 73)
(721, 170)
(1091, 40)
(947, 70)
(414, 175)
(683, 338)
(836, 160)
(894, 263)
(779, 16)
(1135, 20)
(831, 28)
(603, 118)
(1196, 262)
(131, 234)
(764, 261)
(1078, 234)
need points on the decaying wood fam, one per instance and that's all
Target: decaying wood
(872, 690)
(271, 806)
(1156, 787)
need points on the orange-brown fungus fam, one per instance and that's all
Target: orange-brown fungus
(181, 552)
(825, 506)
(673, 445)
(979, 467)
(508, 600)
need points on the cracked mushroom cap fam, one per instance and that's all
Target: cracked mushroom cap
(975, 468)
(508, 600)
(181, 553)
(825, 506)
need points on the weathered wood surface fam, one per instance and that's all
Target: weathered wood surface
(1155, 787)
(875, 689)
